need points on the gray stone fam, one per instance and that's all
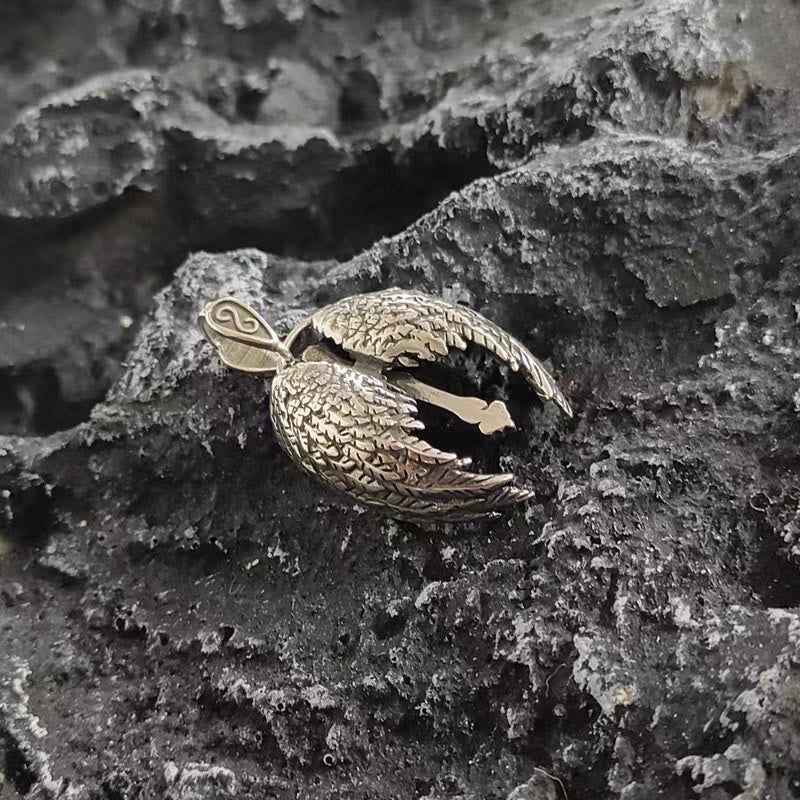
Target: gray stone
(186, 615)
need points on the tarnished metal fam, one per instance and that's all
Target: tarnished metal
(353, 424)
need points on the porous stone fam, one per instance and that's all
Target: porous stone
(184, 614)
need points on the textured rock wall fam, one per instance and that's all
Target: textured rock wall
(185, 615)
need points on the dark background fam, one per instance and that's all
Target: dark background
(183, 614)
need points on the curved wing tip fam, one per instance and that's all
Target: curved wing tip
(564, 405)
(557, 396)
(471, 510)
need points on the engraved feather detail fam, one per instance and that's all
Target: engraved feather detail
(354, 425)
(398, 327)
(356, 433)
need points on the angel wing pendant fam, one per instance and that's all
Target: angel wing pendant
(353, 424)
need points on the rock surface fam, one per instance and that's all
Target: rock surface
(185, 615)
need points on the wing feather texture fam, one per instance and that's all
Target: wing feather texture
(358, 434)
(397, 327)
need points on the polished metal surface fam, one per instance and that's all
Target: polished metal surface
(353, 424)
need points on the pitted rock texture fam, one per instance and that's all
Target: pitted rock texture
(183, 614)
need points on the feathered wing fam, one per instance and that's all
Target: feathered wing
(399, 327)
(358, 434)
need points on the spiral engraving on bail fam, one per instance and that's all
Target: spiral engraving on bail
(228, 314)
